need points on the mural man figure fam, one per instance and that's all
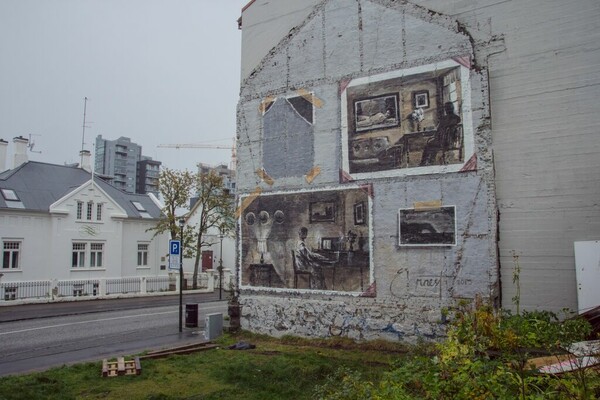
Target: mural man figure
(309, 261)
(444, 136)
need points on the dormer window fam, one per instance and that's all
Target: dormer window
(9, 195)
(140, 208)
(11, 198)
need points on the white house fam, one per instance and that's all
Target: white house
(65, 232)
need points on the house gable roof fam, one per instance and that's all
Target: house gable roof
(39, 185)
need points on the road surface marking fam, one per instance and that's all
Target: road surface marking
(86, 322)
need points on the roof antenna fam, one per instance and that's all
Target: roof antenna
(85, 99)
(31, 144)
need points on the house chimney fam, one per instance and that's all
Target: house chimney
(3, 148)
(85, 160)
(20, 144)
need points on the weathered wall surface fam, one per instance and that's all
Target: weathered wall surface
(543, 90)
(362, 68)
(543, 85)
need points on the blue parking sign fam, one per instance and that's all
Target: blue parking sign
(174, 247)
(174, 254)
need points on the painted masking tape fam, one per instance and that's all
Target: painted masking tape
(312, 174)
(247, 201)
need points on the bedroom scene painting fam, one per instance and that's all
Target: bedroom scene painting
(399, 121)
(307, 241)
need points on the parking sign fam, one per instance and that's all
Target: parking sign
(174, 254)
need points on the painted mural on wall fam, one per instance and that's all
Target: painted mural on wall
(315, 240)
(427, 227)
(404, 121)
(288, 136)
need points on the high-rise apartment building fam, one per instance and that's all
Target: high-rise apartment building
(122, 160)
(223, 171)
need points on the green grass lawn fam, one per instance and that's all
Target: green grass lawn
(287, 368)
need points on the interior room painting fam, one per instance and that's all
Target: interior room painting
(318, 240)
(415, 120)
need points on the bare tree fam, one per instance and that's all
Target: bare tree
(214, 206)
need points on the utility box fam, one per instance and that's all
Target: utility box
(213, 326)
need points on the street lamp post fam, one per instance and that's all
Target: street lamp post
(221, 236)
(181, 225)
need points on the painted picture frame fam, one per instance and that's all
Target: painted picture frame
(421, 99)
(427, 227)
(378, 112)
(359, 213)
(321, 211)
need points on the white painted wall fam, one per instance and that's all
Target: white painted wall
(46, 241)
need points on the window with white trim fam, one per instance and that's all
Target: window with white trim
(87, 255)
(79, 210)
(90, 206)
(96, 252)
(99, 212)
(78, 255)
(10, 254)
(142, 255)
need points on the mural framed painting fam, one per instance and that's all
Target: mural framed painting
(359, 213)
(321, 211)
(376, 112)
(427, 227)
(407, 122)
(421, 99)
(307, 240)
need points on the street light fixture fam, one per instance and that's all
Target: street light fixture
(221, 236)
(181, 225)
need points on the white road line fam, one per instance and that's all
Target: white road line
(86, 322)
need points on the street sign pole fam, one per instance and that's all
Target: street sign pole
(180, 292)
(175, 254)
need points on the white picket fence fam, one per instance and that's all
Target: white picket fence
(107, 287)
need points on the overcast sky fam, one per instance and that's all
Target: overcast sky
(156, 71)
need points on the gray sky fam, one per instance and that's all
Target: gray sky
(157, 71)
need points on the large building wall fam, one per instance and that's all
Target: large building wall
(544, 70)
(325, 142)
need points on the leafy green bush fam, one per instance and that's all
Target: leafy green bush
(483, 357)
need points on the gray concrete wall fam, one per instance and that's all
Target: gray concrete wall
(371, 46)
(544, 70)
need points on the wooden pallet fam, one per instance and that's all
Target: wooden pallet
(121, 367)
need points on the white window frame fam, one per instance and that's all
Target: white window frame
(96, 255)
(14, 254)
(142, 255)
(87, 254)
(99, 212)
(79, 249)
(90, 209)
(79, 215)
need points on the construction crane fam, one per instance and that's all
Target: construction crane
(204, 146)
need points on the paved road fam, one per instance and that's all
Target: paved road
(40, 337)
(43, 310)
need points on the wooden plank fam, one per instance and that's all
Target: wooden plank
(105, 367)
(121, 366)
(138, 366)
